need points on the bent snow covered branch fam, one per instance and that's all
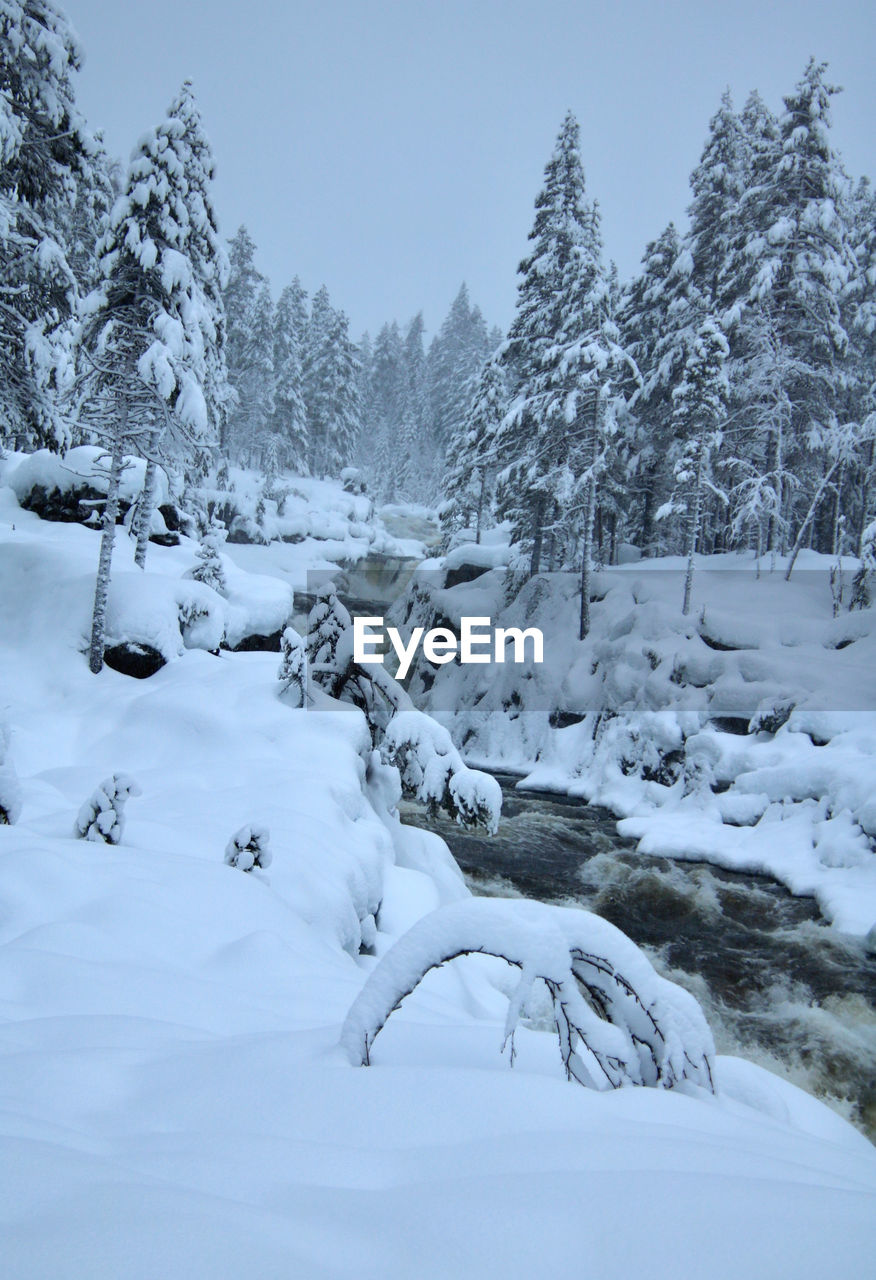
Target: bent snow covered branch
(618, 1022)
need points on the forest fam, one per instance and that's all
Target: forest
(723, 399)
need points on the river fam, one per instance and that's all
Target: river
(778, 985)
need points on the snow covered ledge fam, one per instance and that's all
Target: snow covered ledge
(618, 1022)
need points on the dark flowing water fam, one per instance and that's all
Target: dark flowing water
(777, 984)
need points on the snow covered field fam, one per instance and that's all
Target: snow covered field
(174, 1098)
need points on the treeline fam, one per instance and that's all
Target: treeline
(723, 399)
(125, 316)
(309, 399)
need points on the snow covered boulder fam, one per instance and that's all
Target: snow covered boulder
(72, 487)
(618, 1022)
(102, 817)
(248, 848)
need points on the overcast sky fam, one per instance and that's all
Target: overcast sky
(393, 148)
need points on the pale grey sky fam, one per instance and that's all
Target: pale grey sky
(392, 149)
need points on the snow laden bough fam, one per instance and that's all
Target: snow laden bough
(102, 817)
(618, 1022)
(433, 772)
(248, 848)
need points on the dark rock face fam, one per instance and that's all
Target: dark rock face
(72, 507)
(732, 724)
(259, 644)
(132, 659)
(560, 719)
(464, 573)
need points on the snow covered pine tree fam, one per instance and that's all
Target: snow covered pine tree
(102, 817)
(142, 340)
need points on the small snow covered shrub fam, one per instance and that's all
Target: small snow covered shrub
(10, 790)
(248, 848)
(209, 568)
(293, 668)
(102, 817)
(329, 641)
(862, 582)
(433, 772)
(771, 714)
(618, 1022)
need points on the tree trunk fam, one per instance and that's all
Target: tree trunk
(480, 510)
(107, 540)
(865, 498)
(694, 530)
(813, 507)
(538, 535)
(587, 557)
(146, 505)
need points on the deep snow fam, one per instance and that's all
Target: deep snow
(175, 1101)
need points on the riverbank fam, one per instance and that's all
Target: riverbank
(778, 985)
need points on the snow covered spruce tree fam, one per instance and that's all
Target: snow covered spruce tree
(472, 459)
(292, 673)
(536, 444)
(794, 260)
(700, 410)
(46, 162)
(250, 351)
(248, 848)
(289, 422)
(456, 356)
(208, 257)
(386, 408)
(654, 314)
(563, 350)
(142, 338)
(209, 568)
(329, 646)
(331, 388)
(200, 308)
(102, 817)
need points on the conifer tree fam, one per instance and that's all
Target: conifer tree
(208, 256)
(456, 357)
(700, 402)
(289, 422)
(249, 348)
(329, 632)
(563, 350)
(141, 340)
(472, 459)
(186, 187)
(796, 260)
(46, 163)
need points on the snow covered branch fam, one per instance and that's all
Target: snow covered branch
(618, 1022)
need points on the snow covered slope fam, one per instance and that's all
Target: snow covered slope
(174, 1101)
